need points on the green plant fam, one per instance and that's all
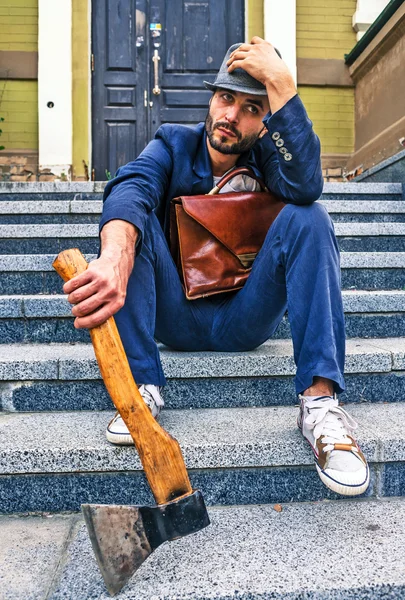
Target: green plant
(108, 175)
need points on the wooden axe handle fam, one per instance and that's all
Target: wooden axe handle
(160, 454)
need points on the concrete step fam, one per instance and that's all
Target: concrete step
(47, 318)
(62, 190)
(247, 552)
(235, 455)
(91, 187)
(370, 211)
(49, 239)
(53, 377)
(87, 210)
(370, 237)
(43, 190)
(59, 211)
(358, 191)
(33, 273)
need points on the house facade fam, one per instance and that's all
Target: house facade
(84, 85)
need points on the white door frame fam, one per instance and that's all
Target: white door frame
(280, 29)
(55, 86)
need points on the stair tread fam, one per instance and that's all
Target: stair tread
(62, 187)
(63, 207)
(274, 358)
(362, 188)
(43, 262)
(72, 441)
(363, 206)
(77, 230)
(98, 186)
(56, 305)
(247, 552)
(90, 206)
(40, 262)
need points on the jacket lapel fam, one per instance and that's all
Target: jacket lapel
(202, 171)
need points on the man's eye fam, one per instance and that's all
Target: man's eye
(253, 109)
(227, 97)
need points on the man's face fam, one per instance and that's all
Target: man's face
(234, 120)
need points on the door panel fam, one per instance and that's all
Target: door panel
(119, 115)
(190, 38)
(195, 37)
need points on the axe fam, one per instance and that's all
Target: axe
(124, 536)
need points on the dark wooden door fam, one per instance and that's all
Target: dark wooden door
(150, 60)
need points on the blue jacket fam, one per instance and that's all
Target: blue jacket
(177, 163)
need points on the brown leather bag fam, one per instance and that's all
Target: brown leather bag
(214, 238)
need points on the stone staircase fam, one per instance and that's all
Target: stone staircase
(233, 415)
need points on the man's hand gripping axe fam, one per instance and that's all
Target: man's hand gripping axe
(124, 536)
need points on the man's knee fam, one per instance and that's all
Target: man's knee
(307, 218)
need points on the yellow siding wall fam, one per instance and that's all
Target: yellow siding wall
(19, 98)
(332, 112)
(324, 30)
(80, 87)
(19, 25)
(19, 107)
(255, 19)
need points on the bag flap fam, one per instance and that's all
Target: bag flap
(238, 220)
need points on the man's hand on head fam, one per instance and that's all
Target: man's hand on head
(262, 62)
(100, 291)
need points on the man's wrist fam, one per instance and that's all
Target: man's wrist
(118, 238)
(279, 92)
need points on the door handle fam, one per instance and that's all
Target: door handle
(156, 58)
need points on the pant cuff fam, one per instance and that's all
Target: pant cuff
(146, 376)
(322, 369)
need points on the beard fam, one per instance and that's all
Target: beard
(222, 145)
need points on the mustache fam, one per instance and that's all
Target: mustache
(231, 128)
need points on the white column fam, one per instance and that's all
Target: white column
(366, 13)
(280, 29)
(55, 86)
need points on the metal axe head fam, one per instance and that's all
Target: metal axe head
(124, 536)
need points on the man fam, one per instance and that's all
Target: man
(255, 118)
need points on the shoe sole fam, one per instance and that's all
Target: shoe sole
(121, 439)
(336, 486)
(341, 488)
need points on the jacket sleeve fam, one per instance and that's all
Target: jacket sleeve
(289, 154)
(138, 187)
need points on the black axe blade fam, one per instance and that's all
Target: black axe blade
(124, 536)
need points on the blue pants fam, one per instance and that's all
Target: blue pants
(297, 269)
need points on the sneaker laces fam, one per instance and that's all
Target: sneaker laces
(151, 395)
(330, 421)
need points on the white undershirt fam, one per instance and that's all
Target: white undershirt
(240, 183)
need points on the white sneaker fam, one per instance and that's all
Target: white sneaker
(338, 459)
(117, 432)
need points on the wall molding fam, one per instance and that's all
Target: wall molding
(18, 65)
(382, 146)
(323, 72)
(385, 39)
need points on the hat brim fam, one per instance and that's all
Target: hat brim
(235, 88)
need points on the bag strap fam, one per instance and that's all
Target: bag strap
(237, 171)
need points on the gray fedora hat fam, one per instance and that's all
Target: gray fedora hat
(239, 80)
